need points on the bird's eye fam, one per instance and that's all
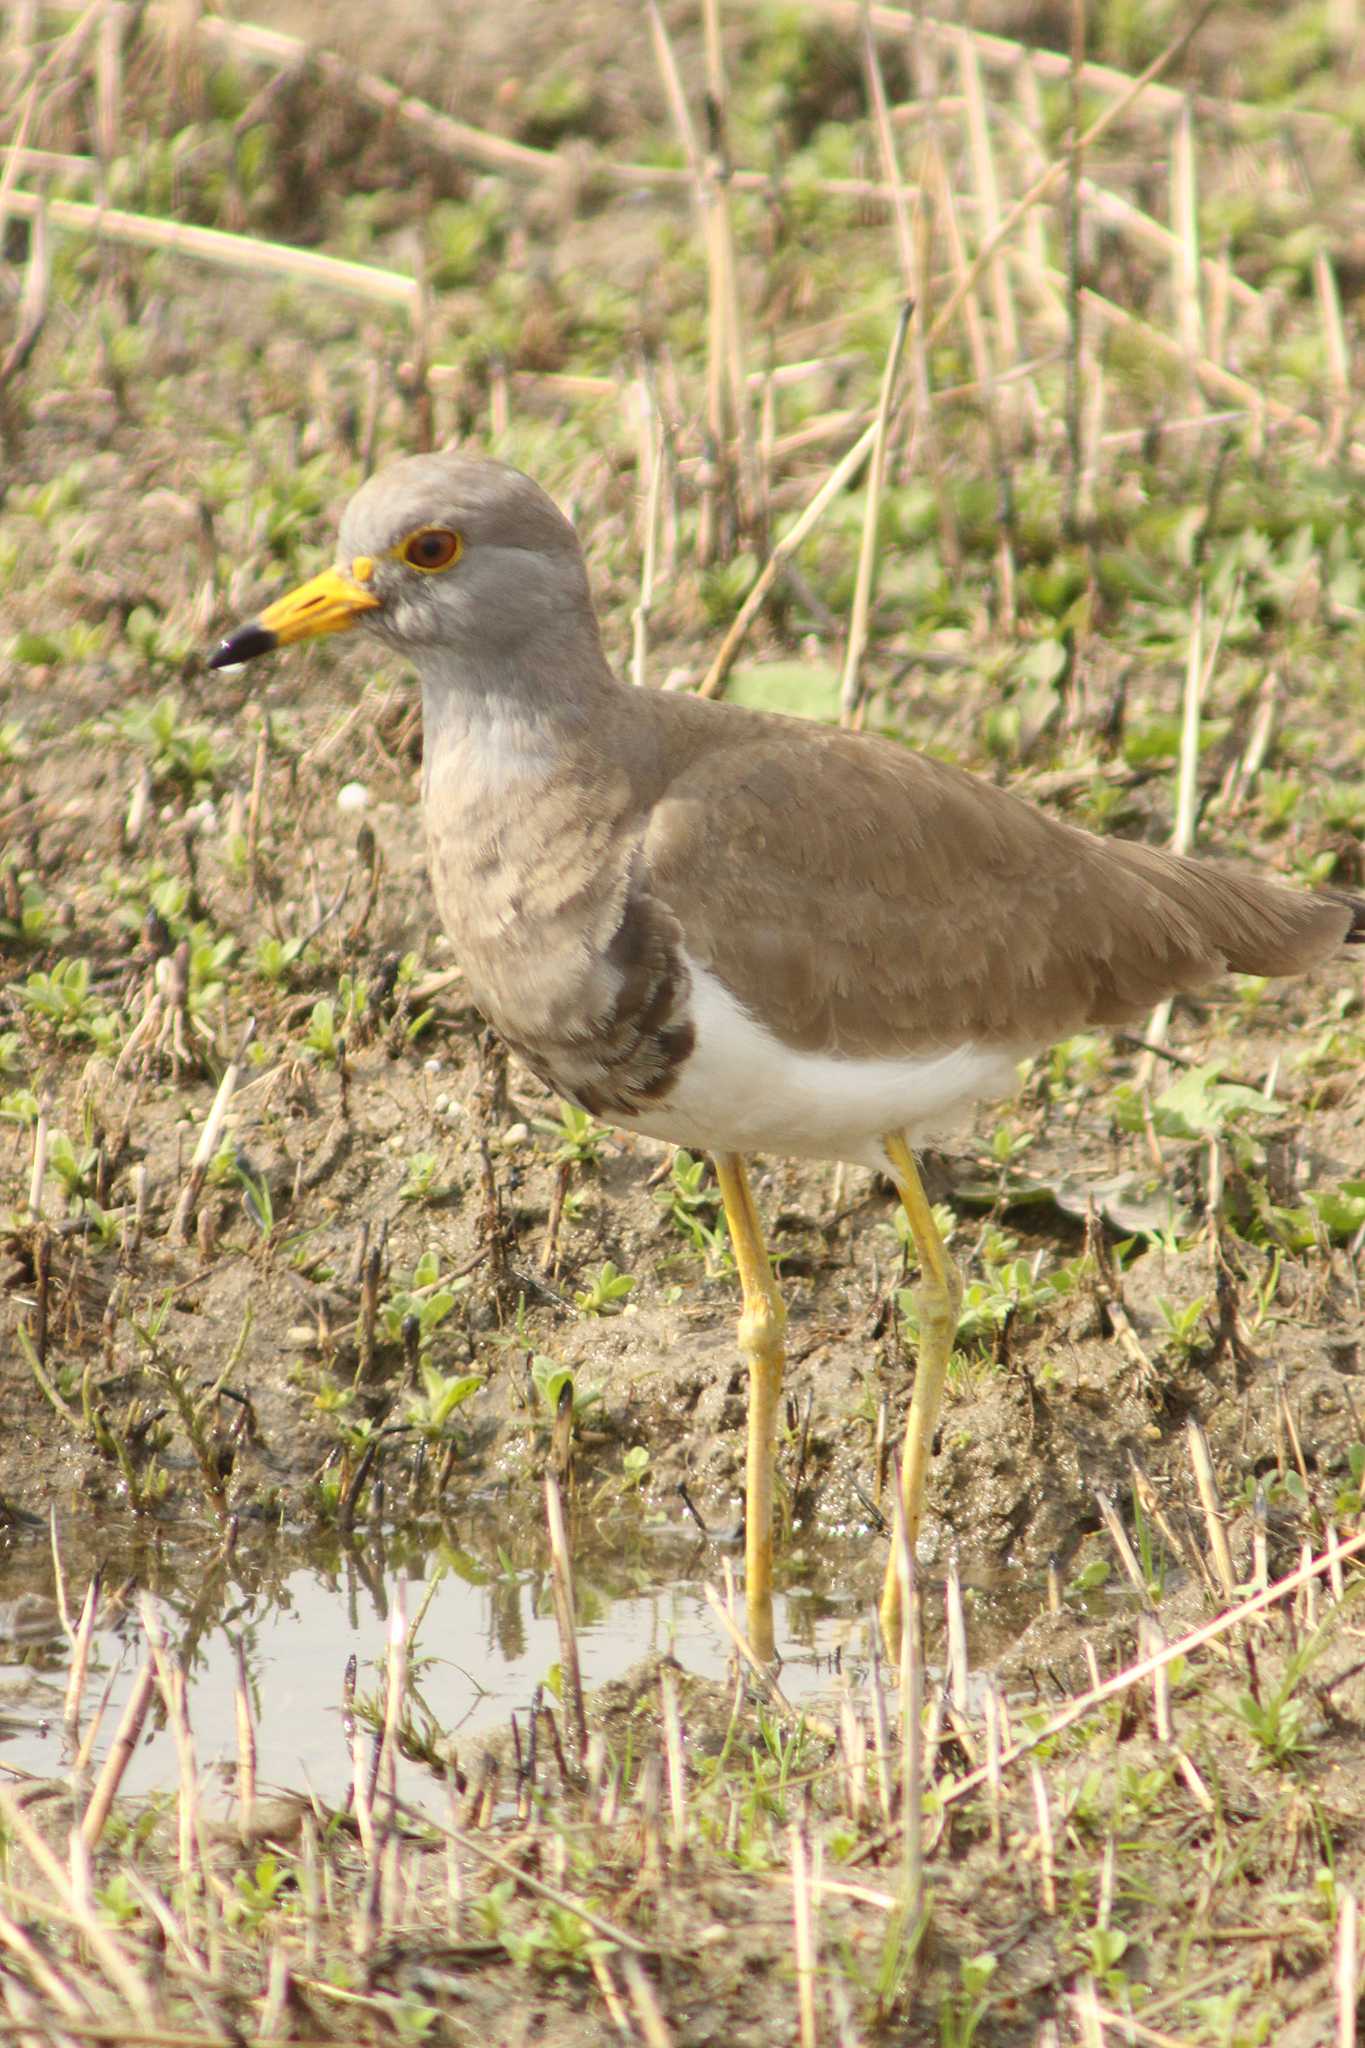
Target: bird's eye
(431, 547)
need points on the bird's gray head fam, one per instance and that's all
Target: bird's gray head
(440, 554)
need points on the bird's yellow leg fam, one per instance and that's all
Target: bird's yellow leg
(938, 1299)
(762, 1327)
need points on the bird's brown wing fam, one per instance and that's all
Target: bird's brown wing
(866, 900)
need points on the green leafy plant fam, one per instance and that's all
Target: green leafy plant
(550, 1379)
(579, 1136)
(691, 1201)
(606, 1293)
(440, 1396)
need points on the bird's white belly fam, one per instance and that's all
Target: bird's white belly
(743, 1090)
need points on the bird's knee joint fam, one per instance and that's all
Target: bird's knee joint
(939, 1302)
(762, 1328)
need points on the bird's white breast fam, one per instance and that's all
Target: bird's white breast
(743, 1090)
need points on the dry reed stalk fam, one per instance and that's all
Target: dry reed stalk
(851, 694)
(1124, 1551)
(1092, 431)
(1004, 53)
(1347, 1972)
(1212, 1509)
(1338, 352)
(673, 1753)
(1187, 790)
(206, 1149)
(1210, 1633)
(34, 293)
(914, 249)
(994, 1746)
(361, 1803)
(1149, 1502)
(1261, 406)
(649, 2018)
(19, 157)
(79, 1777)
(720, 180)
(232, 252)
(651, 436)
(1047, 1854)
(172, 1685)
(1032, 121)
(1185, 269)
(108, 85)
(881, 1733)
(957, 1676)
(64, 52)
(561, 1581)
(80, 1658)
(1335, 1551)
(1074, 314)
(1151, 1638)
(710, 173)
(987, 192)
(246, 1742)
(126, 1738)
(838, 479)
(1309, 1591)
(1042, 186)
(768, 1685)
(911, 1697)
(62, 1996)
(1101, 2024)
(983, 363)
(1260, 1541)
(1199, 1791)
(611, 1997)
(459, 140)
(1164, 243)
(101, 1940)
(38, 1168)
(395, 1692)
(803, 1930)
(886, 144)
(853, 1748)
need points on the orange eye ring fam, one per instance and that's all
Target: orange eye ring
(431, 549)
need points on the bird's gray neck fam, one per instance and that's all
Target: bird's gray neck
(498, 731)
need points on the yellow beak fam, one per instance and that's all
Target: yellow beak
(330, 603)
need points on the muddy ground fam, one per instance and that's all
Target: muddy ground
(187, 859)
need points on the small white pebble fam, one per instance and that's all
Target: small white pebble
(352, 796)
(454, 1112)
(516, 1134)
(441, 1106)
(433, 1065)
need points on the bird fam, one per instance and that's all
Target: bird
(742, 932)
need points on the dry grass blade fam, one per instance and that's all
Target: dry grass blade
(121, 1750)
(561, 1578)
(1185, 227)
(206, 1150)
(851, 684)
(1347, 1970)
(104, 1945)
(1042, 186)
(1212, 1507)
(230, 252)
(839, 478)
(1137, 1673)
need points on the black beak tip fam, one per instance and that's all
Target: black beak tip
(243, 645)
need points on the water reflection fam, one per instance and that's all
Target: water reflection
(486, 1640)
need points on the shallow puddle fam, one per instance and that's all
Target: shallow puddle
(482, 1650)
